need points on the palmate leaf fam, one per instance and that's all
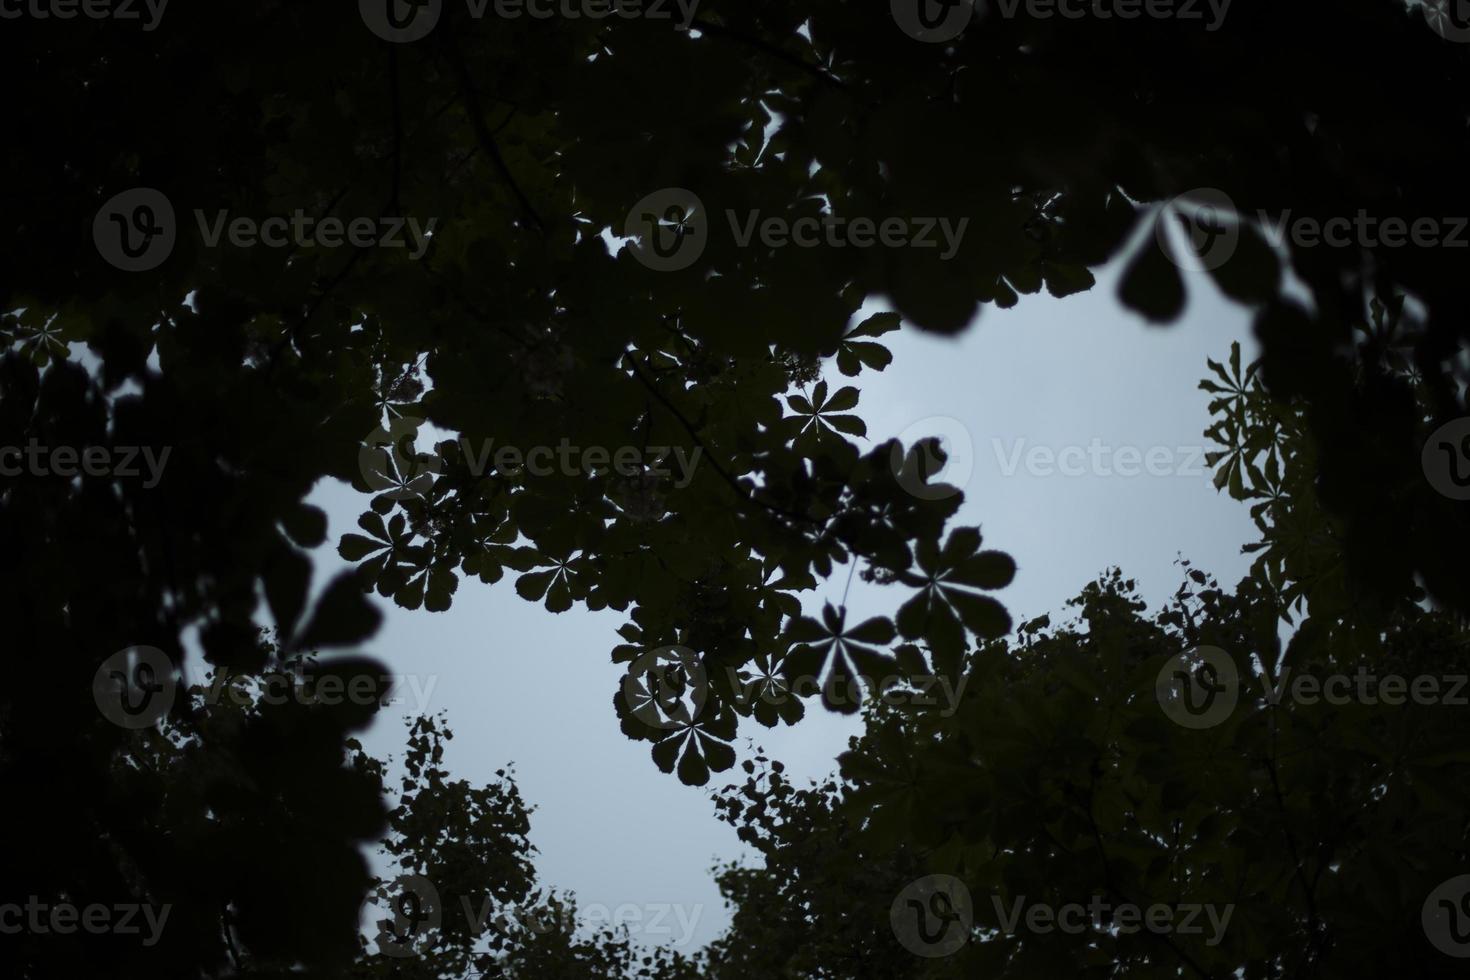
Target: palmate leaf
(1151, 283)
(946, 604)
(431, 589)
(566, 581)
(766, 694)
(818, 420)
(827, 656)
(699, 747)
(856, 352)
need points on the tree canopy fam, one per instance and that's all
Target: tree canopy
(269, 243)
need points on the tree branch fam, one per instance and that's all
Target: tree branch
(486, 138)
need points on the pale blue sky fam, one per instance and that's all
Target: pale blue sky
(522, 685)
